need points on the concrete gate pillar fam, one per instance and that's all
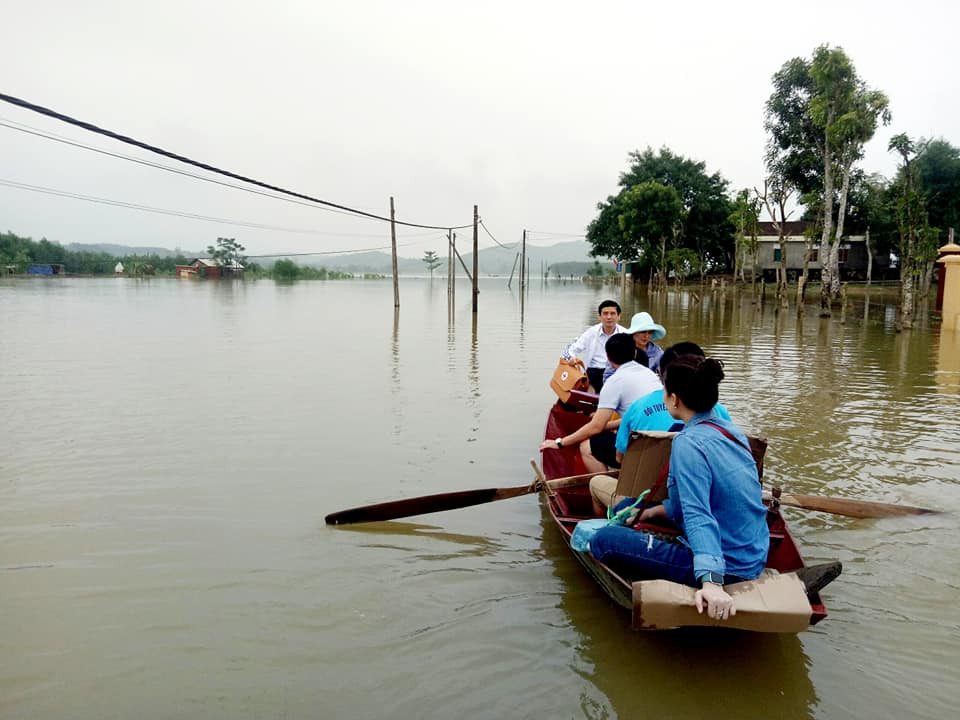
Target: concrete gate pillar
(951, 292)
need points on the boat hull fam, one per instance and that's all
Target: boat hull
(569, 505)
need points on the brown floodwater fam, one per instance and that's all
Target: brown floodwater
(168, 450)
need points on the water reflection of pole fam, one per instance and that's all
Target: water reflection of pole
(395, 349)
(948, 361)
(474, 374)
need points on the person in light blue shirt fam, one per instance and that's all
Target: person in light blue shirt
(714, 495)
(649, 412)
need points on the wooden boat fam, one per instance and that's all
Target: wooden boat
(776, 602)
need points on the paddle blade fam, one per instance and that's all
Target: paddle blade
(851, 508)
(424, 504)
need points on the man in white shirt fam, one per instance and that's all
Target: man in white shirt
(629, 383)
(590, 347)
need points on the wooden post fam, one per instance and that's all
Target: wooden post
(523, 263)
(513, 269)
(476, 289)
(449, 261)
(393, 243)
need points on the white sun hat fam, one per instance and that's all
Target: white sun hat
(642, 322)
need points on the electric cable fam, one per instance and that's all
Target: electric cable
(176, 213)
(204, 166)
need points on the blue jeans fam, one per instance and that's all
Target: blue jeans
(636, 555)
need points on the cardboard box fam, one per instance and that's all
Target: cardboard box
(772, 603)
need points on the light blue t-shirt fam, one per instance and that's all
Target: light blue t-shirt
(649, 413)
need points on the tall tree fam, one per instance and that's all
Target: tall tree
(912, 224)
(823, 106)
(744, 218)
(776, 195)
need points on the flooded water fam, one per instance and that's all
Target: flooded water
(168, 450)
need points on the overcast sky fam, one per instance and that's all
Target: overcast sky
(527, 109)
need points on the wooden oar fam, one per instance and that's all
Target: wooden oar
(446, 501)
(845, 506)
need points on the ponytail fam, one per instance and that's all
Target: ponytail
(695, 380)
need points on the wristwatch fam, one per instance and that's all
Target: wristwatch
(711, 577)
(559, 442)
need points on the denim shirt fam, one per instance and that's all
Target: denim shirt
(714, 494)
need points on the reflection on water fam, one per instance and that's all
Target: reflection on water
(677, 673)
(948, 362)
(478, 544)
(168, 451)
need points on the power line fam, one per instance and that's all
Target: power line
(60, 139)
(204, 166)
(494, 239)
(174, 213)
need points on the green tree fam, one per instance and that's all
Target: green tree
(650, 218)
(871, 212)
(703, 226)
(823, 107)
(912, 224)
(683, 262)
(938, 172)
(227, 252)
(431, 260)
(745, 217)
(285, 269)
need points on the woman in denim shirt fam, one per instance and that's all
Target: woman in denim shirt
(714, 495)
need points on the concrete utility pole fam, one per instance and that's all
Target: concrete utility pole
(393, 242)
(476, 289)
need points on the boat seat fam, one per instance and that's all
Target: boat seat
(647, 457)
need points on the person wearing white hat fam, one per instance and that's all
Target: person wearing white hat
(645, 331)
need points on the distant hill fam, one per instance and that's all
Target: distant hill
(492, 261)
(123, 250)
(572, 257)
